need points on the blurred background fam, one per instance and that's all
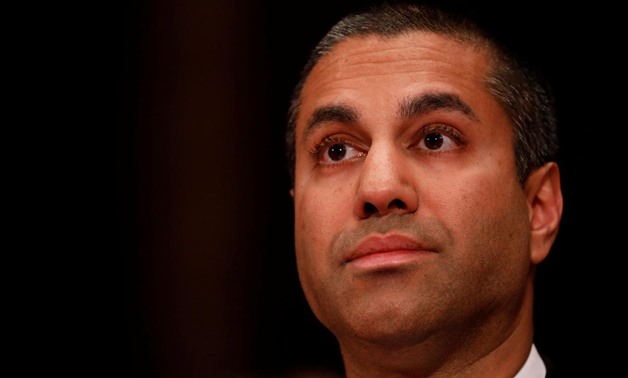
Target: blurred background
(185, 250)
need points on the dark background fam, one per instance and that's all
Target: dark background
(183, 232)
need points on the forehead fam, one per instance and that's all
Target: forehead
(383, 70)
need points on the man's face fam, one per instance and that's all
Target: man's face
(410, 221)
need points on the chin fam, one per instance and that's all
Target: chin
(390, 326)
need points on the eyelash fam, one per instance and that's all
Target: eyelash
(327, 141)
(439, 128)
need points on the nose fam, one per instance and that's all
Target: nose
(386, 184)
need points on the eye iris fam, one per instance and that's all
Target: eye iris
(337, 151)
(433, 141)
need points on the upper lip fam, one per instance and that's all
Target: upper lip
(385, 243)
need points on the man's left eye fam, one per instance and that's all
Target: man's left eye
(436, 141)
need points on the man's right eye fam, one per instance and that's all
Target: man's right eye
(332, 151)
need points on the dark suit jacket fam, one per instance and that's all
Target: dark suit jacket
(550, 368)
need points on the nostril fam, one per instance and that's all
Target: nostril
(397, 204)
(369, 209)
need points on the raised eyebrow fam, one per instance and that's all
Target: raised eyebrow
(330, 113)
(415, 106)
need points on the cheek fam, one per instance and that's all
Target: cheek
(319, 216)
(485, 190)
(489, 223)
(320, 213)
(477, 204)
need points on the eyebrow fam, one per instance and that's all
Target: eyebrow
(413, 106)
(428, 102)
(330, 113)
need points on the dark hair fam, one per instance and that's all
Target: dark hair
(521, 92)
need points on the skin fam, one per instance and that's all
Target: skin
(458, 300)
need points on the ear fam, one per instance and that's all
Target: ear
(545, 203)
(292, 193)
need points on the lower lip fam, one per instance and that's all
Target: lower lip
(389, 259)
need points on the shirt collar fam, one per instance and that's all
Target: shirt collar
(533, 367)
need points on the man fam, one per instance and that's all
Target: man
(425, 193)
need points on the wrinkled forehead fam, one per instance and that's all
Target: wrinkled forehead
(411, 62)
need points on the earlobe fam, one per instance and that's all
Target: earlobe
(545, 201)
(292, 193)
